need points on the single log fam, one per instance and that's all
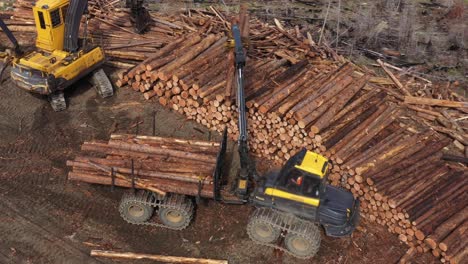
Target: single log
(394, 79)
(167, 140)
(434, 102)
(158, 151)
(164, 164)
(159, 258)
(455, 158)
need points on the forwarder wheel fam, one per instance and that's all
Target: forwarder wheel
(262, 231)
(303, 245)
(57, 101)
(133, 210)
(102, 84)
(176, 211)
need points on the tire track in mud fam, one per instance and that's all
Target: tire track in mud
(29, 222)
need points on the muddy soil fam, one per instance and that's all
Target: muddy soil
(46, 219)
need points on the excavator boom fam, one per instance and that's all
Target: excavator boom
(247, 168)
(10, 36)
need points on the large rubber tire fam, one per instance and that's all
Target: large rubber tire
(176, 211)
(304, 245)
(262, 232)
(260, 228)
(102, 83)
(133, 210)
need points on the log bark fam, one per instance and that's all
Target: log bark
(325, 120)
(434, 102)
(160, 258)
(167, 70)
(455, 239)
(445, 228)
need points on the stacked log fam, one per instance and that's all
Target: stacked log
(152, 163)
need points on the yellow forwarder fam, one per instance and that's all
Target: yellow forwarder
(61, 58)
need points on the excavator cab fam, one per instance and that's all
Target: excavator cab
(50, 24)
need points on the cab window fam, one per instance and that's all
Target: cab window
(55, 18)
(41, 19)
(311, 187)
(294, 181)
(64, 12)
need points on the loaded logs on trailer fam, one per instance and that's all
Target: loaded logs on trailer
(153, 163)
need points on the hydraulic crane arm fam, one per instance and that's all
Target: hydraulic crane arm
(247, 168)
(10, 36)
(75, 11)
(140, 14)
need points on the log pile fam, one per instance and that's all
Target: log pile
(378, 149)
(386, 142)
(152, 163)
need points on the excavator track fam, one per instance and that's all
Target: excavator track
(102, 84)
(57, 101)
(175, 202)
(288, 225)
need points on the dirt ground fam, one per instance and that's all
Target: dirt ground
(46, 219)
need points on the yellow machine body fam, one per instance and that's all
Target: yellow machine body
(291, 196)
(44, 73)
(314, 163)
(49, 16)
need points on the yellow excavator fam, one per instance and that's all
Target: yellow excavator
(61, 58)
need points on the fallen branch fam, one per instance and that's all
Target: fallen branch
(394, 78)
